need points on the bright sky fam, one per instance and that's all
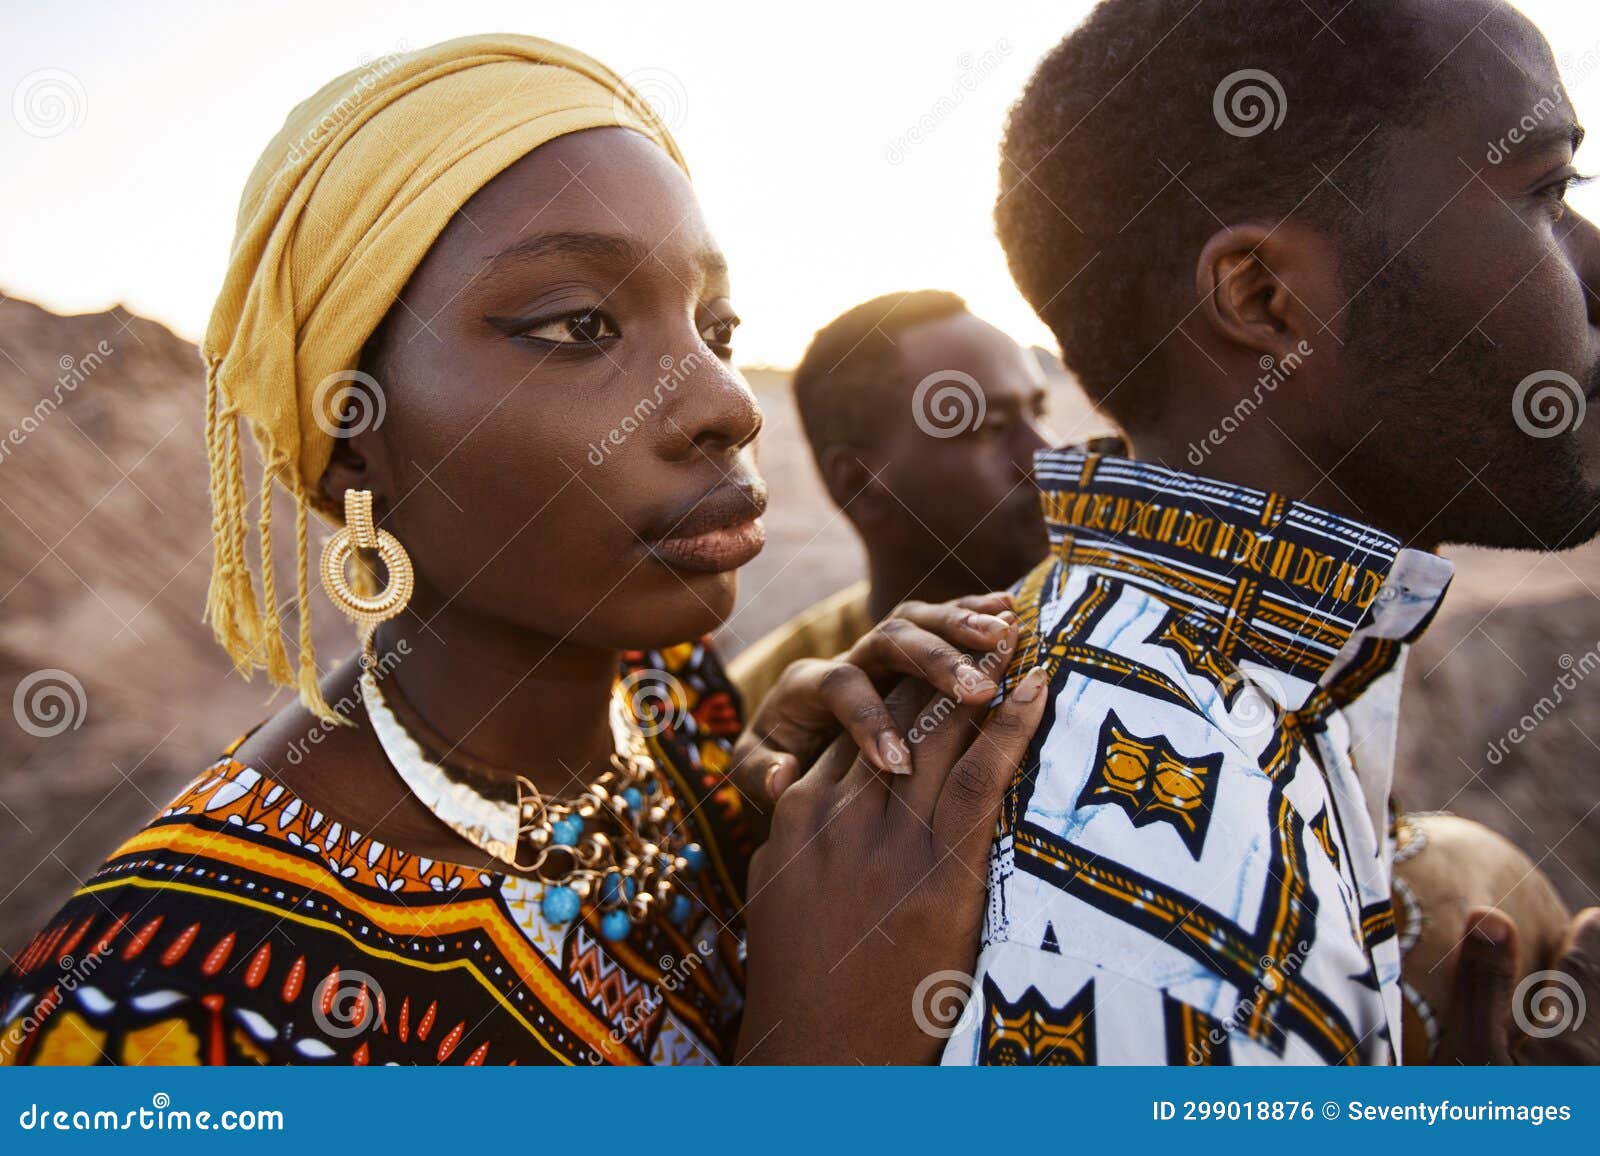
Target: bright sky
(795, 119)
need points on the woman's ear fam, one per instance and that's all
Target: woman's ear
(354, 410)
(358, 459)
(1245, 284)
(347, 470)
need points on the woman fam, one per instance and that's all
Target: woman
(506, 833)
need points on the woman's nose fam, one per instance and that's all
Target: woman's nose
(716, 412)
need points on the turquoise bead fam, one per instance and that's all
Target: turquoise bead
(615, 925)
(615, 888)
(680, 909)
(565, 832)
(560, 904)
(635, 799)
(694, 855)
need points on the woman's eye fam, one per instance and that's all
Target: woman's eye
(585, 328)
(1556, 192)
(719, 334)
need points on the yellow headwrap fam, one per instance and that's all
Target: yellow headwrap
(339, 211)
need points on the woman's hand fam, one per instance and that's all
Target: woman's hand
(815, 698)
(870, 885)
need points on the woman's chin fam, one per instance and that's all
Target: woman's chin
(697, 604)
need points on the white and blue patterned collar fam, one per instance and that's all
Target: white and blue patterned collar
(1275, 583)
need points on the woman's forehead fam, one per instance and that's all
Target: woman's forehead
(611, 190)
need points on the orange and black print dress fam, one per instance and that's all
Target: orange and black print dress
(242, 925)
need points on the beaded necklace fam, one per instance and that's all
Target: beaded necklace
(615, 843)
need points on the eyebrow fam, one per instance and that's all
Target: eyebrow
(1567, 134)
(1551, 136)
(612, 247)
(604, 246)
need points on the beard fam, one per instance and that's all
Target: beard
(1456, 456)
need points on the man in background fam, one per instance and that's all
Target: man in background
(923, 422)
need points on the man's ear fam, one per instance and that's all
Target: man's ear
(1253, 282)
(849, 479)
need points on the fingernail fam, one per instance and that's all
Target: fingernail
(895, 755)
(970, 678)
(1008, 617)
(1490, 931)
(1031, 685)
(770, 784)
(988, 623)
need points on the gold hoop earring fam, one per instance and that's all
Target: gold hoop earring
(360, 533)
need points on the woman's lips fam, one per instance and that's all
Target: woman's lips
(718, 531)
(714, 551)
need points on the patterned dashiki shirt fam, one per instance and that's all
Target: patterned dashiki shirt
(1193, 861)
(242, 925)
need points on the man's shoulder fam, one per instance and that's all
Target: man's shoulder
(1159, 760)
(1076, 620)
(1170, 845)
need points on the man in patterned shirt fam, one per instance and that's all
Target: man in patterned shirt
(1337, 334)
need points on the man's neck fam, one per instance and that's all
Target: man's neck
(1272, 463)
